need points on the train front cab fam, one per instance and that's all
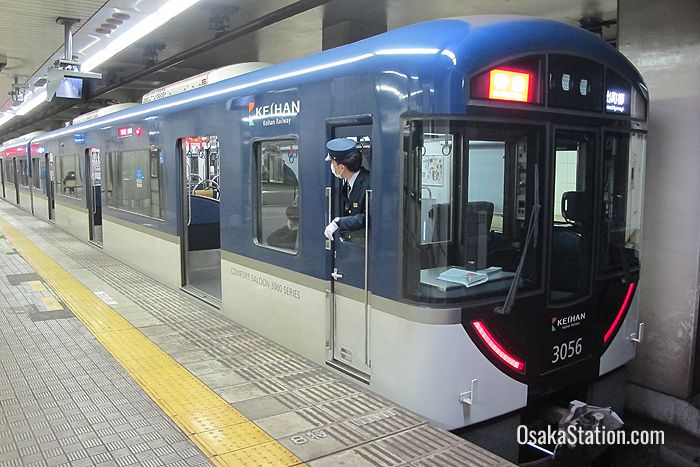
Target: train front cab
(526, 215)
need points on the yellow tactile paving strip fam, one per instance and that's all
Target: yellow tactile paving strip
(226, 436)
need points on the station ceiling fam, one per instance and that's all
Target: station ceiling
(211, 34)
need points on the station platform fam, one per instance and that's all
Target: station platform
(101, 365)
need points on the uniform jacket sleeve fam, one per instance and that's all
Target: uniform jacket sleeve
(355, 204)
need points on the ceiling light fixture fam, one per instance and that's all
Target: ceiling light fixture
(148, 24)
(31, 104)
(152, 22)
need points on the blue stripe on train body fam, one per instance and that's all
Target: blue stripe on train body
(422, 69)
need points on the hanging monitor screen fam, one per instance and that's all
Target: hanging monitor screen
(70, 88)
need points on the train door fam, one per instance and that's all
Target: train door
(2, 176)
(15, 179)
(94, 194)
(50, 184)
(571, 254)
(349, 323)
(200, 230)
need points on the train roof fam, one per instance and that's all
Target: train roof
(467, 44)
(22, 140)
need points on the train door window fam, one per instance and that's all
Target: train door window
(23, 173)
(623, 178)
(111, 181)
(468, 198)
(70, 176)
(9, 172)
(37, 174)
(572, 222)
(203, 167)
(277, 219)
(135, 182)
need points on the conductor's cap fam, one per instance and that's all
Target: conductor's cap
(339, 149)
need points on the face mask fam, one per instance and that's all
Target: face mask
(334, 172)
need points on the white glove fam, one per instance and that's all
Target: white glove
(330, 229)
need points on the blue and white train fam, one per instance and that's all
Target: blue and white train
(499, 264)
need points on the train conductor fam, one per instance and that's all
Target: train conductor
(346, 164)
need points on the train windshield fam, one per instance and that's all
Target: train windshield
(469, 193)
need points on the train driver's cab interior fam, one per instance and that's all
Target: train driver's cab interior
(469, 193)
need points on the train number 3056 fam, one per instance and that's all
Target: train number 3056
(567, 350)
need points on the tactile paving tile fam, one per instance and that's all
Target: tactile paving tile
(265, 454)
(463, 455)
(345, 415)
(212, 418)
(231, 438)
(171, 386)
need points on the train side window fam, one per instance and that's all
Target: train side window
(135, 182)
(277, 175)
(623, 179)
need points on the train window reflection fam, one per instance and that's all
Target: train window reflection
(468, 195)
(277, 169)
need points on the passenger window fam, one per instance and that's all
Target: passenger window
(135, 182)
(277, 170)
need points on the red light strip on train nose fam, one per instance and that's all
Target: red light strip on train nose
(620, 313)
(497, 348)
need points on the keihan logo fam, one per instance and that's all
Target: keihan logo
(251, 106)
(567, 321)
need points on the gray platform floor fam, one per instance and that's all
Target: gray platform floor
(318, 415)
(63, 399)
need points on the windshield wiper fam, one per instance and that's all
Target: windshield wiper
(532, 231)
(625, 264)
